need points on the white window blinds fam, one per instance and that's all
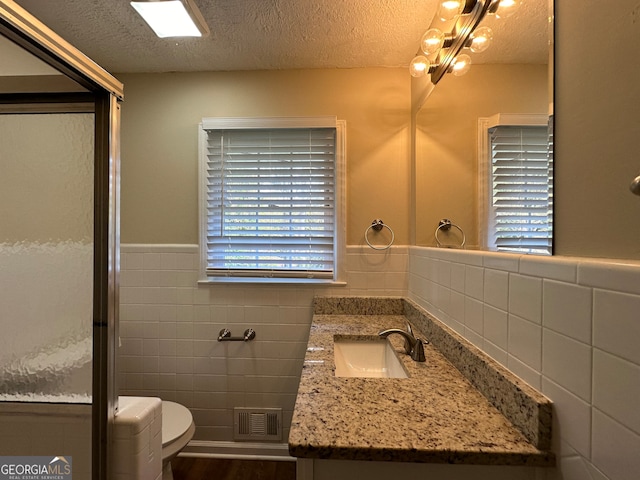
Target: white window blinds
(521, 189)
(271, 202)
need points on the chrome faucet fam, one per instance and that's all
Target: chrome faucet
(412, 345)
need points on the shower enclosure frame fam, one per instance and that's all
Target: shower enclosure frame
(105, 93)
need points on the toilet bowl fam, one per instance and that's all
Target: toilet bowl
(177, 429)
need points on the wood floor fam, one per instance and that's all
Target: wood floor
(191, 468)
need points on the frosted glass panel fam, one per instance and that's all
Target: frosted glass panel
(46, 257)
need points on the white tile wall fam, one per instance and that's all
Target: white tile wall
(615, 448)
(496, 288)
(572, 417)
(137, 439)
(525, 297)
(524, 341)
(524, 371)
(567, 309)
(612, 392)
(567, 362)
(568, 326)
(473, 315)
(169, 327)
(48, 429)
(496, 323)
(474, 282)
(616, 328)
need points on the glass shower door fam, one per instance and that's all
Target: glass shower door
(46, 257)
(59, 182)
(46, 286)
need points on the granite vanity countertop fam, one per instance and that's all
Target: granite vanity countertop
(436, 415)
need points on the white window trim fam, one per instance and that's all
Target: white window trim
(213, 123)
(484, 200)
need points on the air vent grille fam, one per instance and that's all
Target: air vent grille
(257, 424)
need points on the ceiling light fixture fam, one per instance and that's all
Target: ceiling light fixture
(172, 18)
(444, 48)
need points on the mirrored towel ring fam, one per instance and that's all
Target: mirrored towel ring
(445, 224)
(378, 225)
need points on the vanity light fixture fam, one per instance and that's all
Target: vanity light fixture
(450, 9)
(172, 18)
(461, 65)
(506, 8)
(419, 66)
(444, 48)
(480, 39)
(433, 40)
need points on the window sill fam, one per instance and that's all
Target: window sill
(272, 281)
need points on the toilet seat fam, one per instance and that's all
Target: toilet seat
(177, 428)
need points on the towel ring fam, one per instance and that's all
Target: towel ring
(445, 224)
(377, 225)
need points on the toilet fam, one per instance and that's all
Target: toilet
(177, 429)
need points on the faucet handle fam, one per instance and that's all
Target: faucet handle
(408, 346)
(410, 330)
(417, 353)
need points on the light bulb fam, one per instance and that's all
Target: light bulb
(432, 41)
(461, 65)
(449, 9)
(481, 39)
(506, 8)
(419, 66)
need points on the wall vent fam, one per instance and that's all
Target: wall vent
(257, 424)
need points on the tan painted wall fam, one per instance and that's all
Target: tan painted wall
(159, 141)
(597, 131)
(446, 141)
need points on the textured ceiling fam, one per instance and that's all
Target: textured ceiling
(278, 34)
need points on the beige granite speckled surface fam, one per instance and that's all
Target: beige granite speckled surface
(436, 415)
(525, 407)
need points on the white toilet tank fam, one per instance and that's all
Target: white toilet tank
(147, 434)
(137, 439)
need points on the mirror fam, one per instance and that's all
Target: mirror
(512, 77)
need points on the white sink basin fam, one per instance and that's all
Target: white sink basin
(366, 358)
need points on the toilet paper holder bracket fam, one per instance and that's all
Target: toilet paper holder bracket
(225, 336)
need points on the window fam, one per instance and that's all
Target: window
(271, 198)
(517, 183)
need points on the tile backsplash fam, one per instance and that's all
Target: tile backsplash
(568, 326)
(169, 326)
